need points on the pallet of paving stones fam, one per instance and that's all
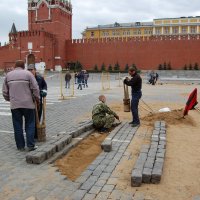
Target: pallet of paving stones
(149, 165)
(62, 142)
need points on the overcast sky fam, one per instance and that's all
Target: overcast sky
(95, 12)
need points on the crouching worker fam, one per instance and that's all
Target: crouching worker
(103, 117)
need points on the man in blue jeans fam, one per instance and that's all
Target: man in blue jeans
(136, 85)
(21, 89)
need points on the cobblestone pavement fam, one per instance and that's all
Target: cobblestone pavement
(19, 180)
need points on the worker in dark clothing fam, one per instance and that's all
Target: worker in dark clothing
(42, 87)
(136, 85)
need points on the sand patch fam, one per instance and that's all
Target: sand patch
(175, 117)
(78, 159)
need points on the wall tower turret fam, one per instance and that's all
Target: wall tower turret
(13, 36)
(55, 17)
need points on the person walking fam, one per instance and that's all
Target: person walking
(67, 79)
(136, 85)
(21, 89)
(82, 78)
(102, 116)
(79, 81)
(86, 76)
(152, 78)
(75, 77)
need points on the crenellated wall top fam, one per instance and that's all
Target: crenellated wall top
(136, 39)
(35, 33)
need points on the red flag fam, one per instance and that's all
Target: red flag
(191, 102)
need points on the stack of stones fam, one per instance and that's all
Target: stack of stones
(149, 165)
(57, 144)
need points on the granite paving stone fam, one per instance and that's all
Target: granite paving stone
(100, 183)
(78, 195)
(89, 197)
(196, 197)
(108, 188)
(95, 190)
(102, 196)
(116, 194)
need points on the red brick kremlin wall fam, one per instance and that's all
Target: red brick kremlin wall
(146, 53)
(8, 57)
(43, 49)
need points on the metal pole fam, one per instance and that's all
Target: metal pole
(109, 81)
(119, 78)
(73, 82)
(147, 105)
(61, 94)
(102, 81)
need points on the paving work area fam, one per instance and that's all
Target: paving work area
(109, 175)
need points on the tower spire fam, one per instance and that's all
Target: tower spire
(13, 29)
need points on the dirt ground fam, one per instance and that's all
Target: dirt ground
(181, 173)
(78, 159)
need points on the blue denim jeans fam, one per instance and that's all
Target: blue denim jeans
(67, 84)
(17, 118)
(134, 106)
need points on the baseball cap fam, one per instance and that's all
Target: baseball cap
(31, 66)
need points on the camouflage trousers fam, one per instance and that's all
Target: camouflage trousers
(105, 122)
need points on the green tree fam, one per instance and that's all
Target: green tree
(117, 67)
(160, 67)
(78, 66)
(190, 66)
(169, 66)
(96, 68)
(134, 66)
(165, 66)
(126, 68)
(196, 66)
(110, 68)
(103, 67)
(185, 67)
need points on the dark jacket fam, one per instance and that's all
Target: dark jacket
(42, 86)
(68, 76)
(41, 82)
(135, 82)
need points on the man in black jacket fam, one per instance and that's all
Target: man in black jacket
(136, 85)
(43, 90)
(42, 86)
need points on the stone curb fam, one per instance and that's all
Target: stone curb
(73, 144)
(47, 150)
(149, 165)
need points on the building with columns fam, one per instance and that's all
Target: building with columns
(48, 41)
(165, 26)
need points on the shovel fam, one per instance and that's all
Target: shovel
(41, 127)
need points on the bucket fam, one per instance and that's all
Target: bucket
(127, 105)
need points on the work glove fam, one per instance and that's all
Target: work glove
(117, 117)
(125, 79)
(43, 93)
